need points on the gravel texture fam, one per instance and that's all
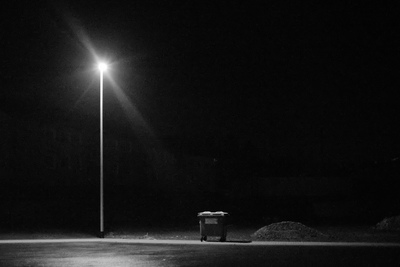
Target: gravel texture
(389, 224)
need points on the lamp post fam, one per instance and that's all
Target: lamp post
(102, 68)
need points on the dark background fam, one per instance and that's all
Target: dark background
(255, 90)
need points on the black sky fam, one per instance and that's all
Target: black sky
(296, 79)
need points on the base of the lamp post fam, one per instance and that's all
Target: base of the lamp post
(101, 234)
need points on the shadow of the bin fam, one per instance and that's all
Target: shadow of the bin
(229, 241)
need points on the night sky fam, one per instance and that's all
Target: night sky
(296, 79)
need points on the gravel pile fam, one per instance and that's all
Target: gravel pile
(389, 224)
(288, 231)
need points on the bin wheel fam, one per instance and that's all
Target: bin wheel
(203, 238)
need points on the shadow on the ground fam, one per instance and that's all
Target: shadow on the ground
(229, 241)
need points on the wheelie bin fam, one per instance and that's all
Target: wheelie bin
(213, 224)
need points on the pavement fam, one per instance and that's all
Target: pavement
(238, 236)
(193, 242)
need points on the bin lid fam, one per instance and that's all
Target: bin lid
(214, 213)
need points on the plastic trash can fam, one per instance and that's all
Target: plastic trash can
(213, 224)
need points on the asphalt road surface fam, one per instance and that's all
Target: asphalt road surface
(103, 253)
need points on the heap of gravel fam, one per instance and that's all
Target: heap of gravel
(288, 231)
(389, 224)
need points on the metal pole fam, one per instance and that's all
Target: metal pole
(101, 158)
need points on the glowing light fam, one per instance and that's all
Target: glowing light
(102, 66)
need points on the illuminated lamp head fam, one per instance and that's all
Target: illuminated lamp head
(102, 66)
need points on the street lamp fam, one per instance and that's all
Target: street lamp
(102, 68)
